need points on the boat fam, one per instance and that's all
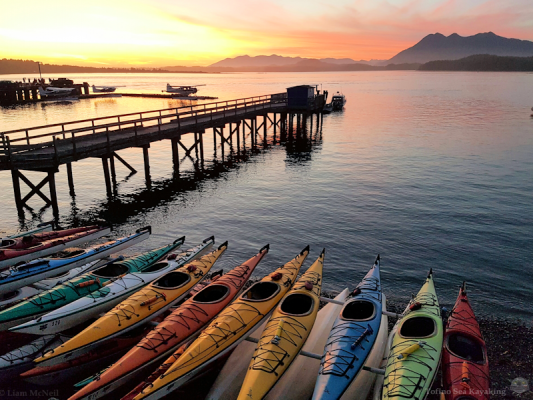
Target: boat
(42, 227)
(416, 347)
(233, 325)
(285, 334)
(465, 366)
(183, 91)
(92, 360)
(328, 108)
(144, 305)
(32, 309)
(104, 89)
(19, 360)
(30, 247)
(36, 270)
(182, 325)
(338, 101)
(52, 92)
(378, 385)
(106, 298)
(357, 339)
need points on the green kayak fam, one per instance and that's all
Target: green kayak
(81, 286)
(416, 348)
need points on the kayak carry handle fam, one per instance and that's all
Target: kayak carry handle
(225, 244)
(145, 228)
(323, 252)
(430, 273)
(181, 239)
(378, 259)
(463, 287)
(209, 239)
(304, 250)
(265, 248)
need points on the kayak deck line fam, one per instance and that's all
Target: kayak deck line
(341, 303)
(302, 353)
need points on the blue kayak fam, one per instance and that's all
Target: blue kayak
(353, 336)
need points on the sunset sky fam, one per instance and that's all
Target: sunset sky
(175, 32)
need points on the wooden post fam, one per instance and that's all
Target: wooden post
(202, 146)
(16, 188)
(215, 140)
(106, 176)
(53, 194)
(113, 172)
(175, 153)
(133, 170)
(70, 179)
(238, 131)
(146, 164)
(264, 129)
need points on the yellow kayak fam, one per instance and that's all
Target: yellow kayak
(231, 327)
(143, 305)
(285, 334)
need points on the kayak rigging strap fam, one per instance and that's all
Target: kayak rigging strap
(339, 361)
(370, 287)
(427, 300)
(269, 355)
(464, 320)
(402, 380)
(309, 277)
(31, 351)
(478, 380)
(48, 297)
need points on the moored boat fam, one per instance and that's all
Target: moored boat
(228, 329)
(416, 347)
(285, 334)
(61, 295)
(338, 101)
(357, 339)
(36, 270)
(181, 326)
(104, 299)
(465, 366)
(30, 247)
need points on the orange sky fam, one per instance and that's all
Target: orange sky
(175, 32)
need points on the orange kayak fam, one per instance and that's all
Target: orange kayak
(180, 326)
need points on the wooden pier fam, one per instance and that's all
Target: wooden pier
(29, 93)
(45, 148)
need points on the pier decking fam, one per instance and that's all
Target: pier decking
(45, 148)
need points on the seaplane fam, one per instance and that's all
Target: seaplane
(104, 89)
(56, 92)
(183, 91)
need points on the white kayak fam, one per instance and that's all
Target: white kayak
(298, 381)
(43, 227)
(19, 360)
(103, 300)
(36, 270)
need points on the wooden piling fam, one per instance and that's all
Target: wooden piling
(16, 188)
(70, 179)
(53, 193)
(107, 178)
(146, 164)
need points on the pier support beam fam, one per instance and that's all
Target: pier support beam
(175, 153)
(146, 158)
(21, 202)
(53, 193)
(16, 189)
(70, 179)
(107, 178)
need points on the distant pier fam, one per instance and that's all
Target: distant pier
(29, 93)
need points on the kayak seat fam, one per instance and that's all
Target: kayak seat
(297, 304)
(261, 291)
(358, 310)
(466, 348)
(7, 243)
(155, 267)
(418, 327)
(171, 280)
(211, 294)
(111, 270)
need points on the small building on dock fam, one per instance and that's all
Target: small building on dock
(305, 97)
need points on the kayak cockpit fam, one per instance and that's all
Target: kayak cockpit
(111, 271)
(297, 304)
(68, 253)
(418, 327)
(172, 280)
(211, 294)
(466, 348)
(359, 310)
(156, 267)
(7, 243)
(261, 291)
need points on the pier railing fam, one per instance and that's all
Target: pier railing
(20, 140)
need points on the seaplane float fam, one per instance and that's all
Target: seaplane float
(184, 92)
(58, 94)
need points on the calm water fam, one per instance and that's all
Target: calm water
(431, 170)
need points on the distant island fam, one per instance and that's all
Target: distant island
(481, 52)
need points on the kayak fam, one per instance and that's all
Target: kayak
(416, 347)
(42, 227)
(36, 270)
(465, 366)
(19, 360)
(378, 385)
(77, 288)
(30, 247)
(229, 328)
(360, 329)
(106, 298)
(285, 334)
(182, 325)
(145, 304)
(94, 359)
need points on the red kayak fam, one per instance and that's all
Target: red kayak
(29, 247)
(179, 327)
(465, 366)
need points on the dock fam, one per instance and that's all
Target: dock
(29, 93)
(45, 148)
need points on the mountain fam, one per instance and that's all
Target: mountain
(278, 61)
(439, 47)
(481, 62)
